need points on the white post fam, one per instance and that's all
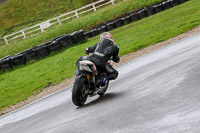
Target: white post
(41, 28)
(59, 21)
(112, 2)
(24, 34)
(5, 40)
(93, 5)
(76, 13)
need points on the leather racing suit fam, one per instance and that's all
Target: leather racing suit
(100, 53)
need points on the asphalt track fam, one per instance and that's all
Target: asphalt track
(156, 93)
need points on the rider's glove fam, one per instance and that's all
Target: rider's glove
(87, 51)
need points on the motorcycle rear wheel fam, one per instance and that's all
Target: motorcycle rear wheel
(79, 95)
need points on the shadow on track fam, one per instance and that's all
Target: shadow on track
(106, 97)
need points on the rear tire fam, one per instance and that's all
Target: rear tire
(78, 93)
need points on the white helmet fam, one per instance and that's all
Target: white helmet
(106, 35)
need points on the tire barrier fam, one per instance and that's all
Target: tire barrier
(88, 35)
(158, 8)
(102, 29)
(119, 22)
(174, 2)
(78, 36)
(53, 46)
(67, 40)
(142, 13)
(29, 54)
(5, 63)
(182, 1)
(41, 50)
(127, 20)
(150, 11)
(17, 59)
(134, 16)
(94, 32)
(110, 26)
(166, 5)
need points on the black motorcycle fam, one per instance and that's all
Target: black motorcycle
(87, 83)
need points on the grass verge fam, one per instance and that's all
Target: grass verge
(22, 82)
(18, 14)
(85, 22)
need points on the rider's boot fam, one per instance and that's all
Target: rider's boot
(102, 82)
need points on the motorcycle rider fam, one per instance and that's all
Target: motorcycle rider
(100, 53)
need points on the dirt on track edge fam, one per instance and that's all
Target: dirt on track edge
(68, 82)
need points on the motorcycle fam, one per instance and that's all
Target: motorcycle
(86, 84)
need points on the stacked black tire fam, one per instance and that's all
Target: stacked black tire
(67, 40)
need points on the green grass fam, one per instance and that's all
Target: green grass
(15, 12)
(22, 82)
(85, 22)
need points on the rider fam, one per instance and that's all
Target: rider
(100, 53)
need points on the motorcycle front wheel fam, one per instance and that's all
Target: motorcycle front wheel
(79, 95)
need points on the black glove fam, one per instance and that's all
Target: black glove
(86, 51)
(116, 59)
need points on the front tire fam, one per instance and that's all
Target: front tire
(79, 96)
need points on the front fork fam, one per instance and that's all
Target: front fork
(91, 87)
